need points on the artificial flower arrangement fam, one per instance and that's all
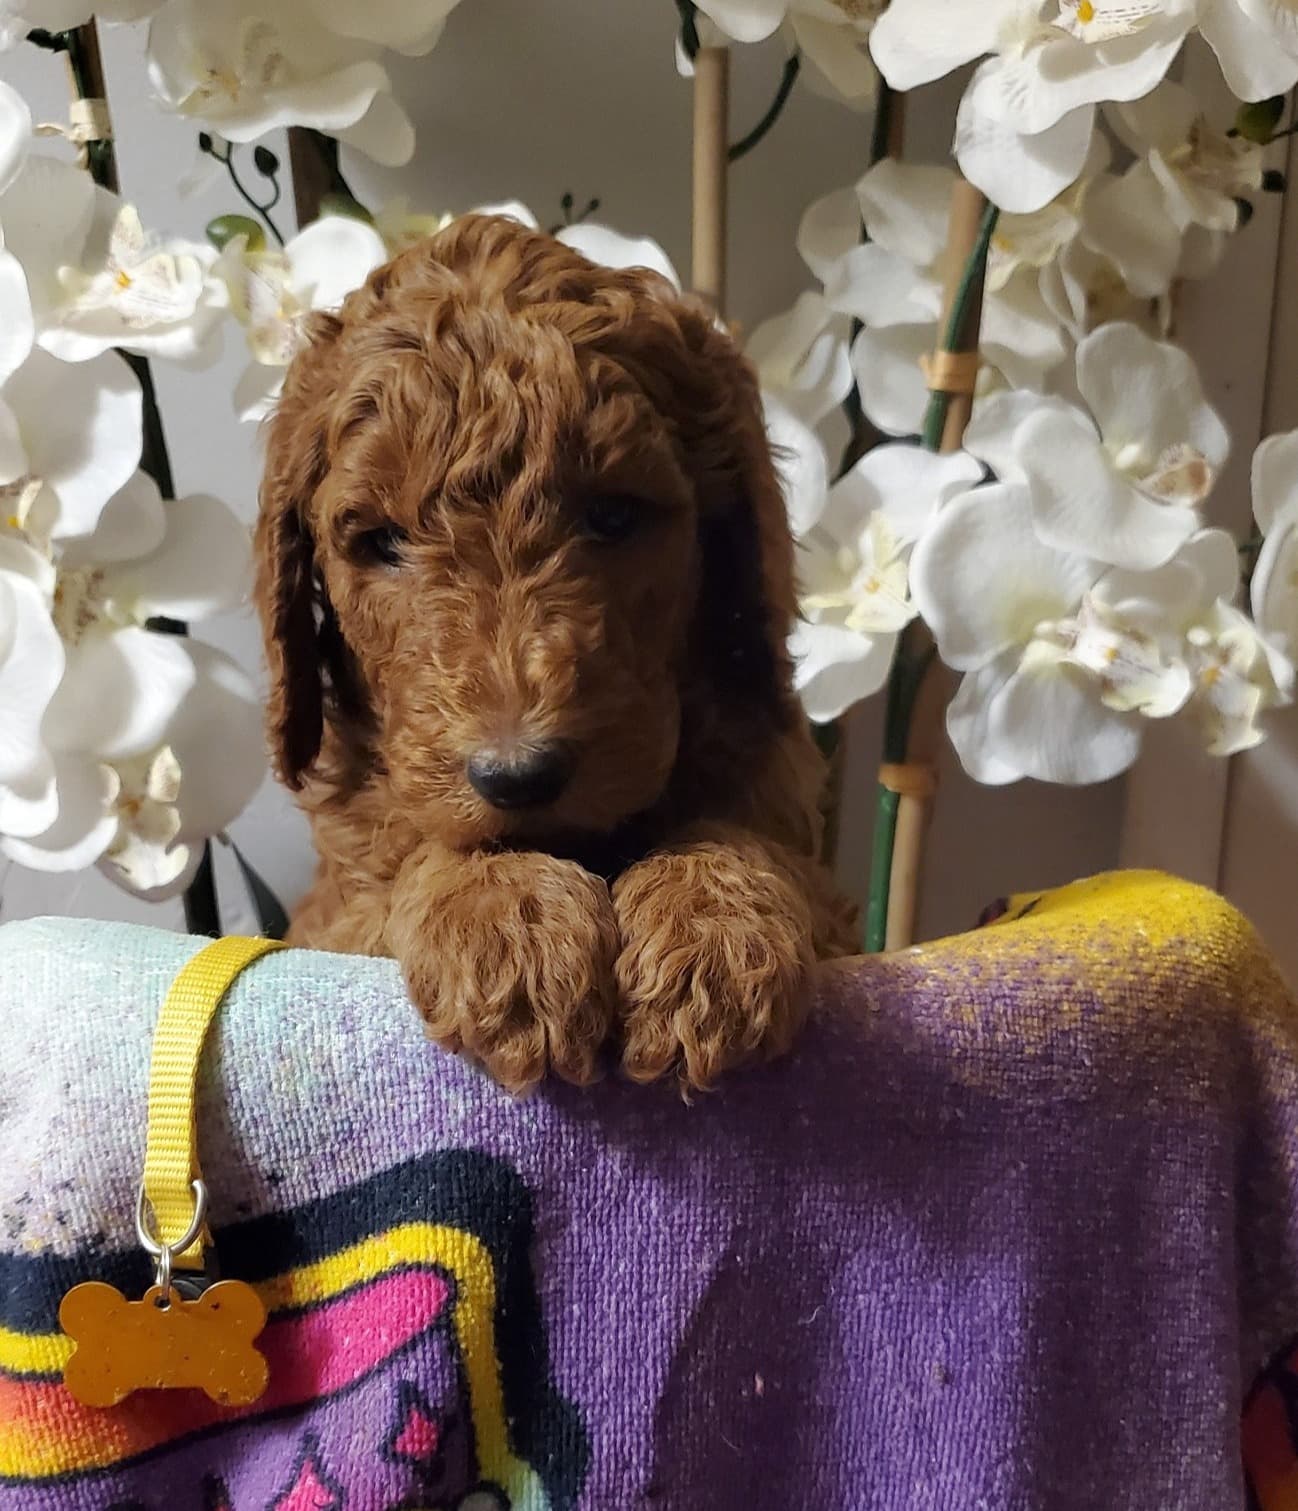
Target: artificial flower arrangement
(1038, 521)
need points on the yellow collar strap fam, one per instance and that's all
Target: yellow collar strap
(170, 1151)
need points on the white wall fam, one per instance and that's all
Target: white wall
(588, 101)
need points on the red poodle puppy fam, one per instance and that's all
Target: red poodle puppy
(526, 580)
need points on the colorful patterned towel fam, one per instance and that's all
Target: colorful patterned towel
(1017, 1227)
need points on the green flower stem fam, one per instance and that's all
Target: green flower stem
(788, 79)
(915, 652)
(958, 337)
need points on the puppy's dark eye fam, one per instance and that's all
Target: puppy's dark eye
(613, 517)
(382, 547)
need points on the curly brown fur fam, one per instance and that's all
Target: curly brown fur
(432, 581)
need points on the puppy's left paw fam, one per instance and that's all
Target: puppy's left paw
(716, 949)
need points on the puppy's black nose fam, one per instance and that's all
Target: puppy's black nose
(521, 776)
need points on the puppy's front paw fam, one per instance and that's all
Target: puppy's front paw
(509, 958)
(716, 947)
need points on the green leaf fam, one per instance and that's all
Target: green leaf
(1256, 122)
(223, 230)
(344, 204)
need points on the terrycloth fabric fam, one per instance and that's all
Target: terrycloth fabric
(1016, 1227)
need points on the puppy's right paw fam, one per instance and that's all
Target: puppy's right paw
(509, 958)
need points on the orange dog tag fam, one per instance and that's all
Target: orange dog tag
(164, 1341)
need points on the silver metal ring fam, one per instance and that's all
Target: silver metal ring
(154, 1245)
(162, 1275)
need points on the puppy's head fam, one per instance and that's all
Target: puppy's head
(521, 544)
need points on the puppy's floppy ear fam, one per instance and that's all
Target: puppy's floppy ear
(297, 629)
(747, 598)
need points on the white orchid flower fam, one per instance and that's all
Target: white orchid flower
(1201, 171)
(245, 69)
(853, 570)
(1274, 586)
(272, 291)
(146, 295)
(407, 26)
(1135, 629)
(1003, 607)
(100, 697)
(830, 35)
(70, 438)
(893, 285)
(142, 814)
(1024, 126)
(97, 280)
(1212, 659)
(1239, 675)
(1123, 483)
(802, 356)
(1256, 45)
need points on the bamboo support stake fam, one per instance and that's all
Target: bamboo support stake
(85, 70)
(924, 738)
(711, 140)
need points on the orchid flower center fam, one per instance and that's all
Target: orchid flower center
(16, 500)
(262, 64)
(1097, 21)
(80, 603)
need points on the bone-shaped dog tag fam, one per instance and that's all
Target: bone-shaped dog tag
(164, 1342)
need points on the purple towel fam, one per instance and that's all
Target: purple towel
(1016, 1227)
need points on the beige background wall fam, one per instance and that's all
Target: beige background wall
(531, 100)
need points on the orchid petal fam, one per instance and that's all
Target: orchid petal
(202, 567)
(1146, 394)
(15, 134)
(800, 462)
(132, 524)
(611, 249)
(1048, 722)
(829, 229)
(967, 723)
(890, 381)
(905, 207)
(802, 357)
(907, 484)
(385, 133)
(1081, 501)
(331, 257)
(31, 668)
(836, 667)
(119, 693)
(1018, 172)
(84, 826)
(917, 41)
(879, 288)
(81, 424)
(1275, 479)
(218, 739)
(983, 581)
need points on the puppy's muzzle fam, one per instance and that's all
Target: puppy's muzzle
(521, 776)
